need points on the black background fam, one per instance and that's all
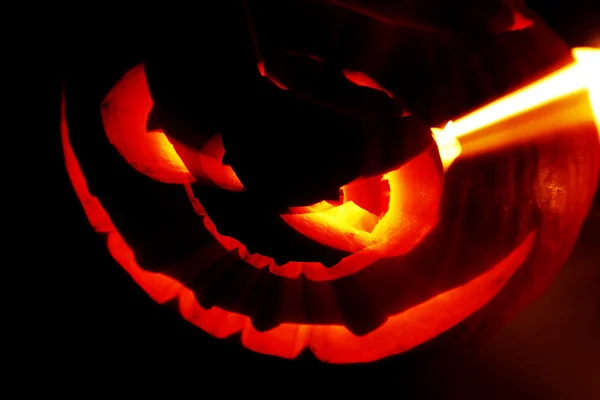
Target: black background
(96, 328)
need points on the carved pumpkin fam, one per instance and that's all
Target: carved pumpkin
(303, 201)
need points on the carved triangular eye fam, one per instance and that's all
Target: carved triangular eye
(139, 131)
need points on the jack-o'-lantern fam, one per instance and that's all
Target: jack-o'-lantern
(271, 188)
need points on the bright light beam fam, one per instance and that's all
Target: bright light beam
(567, 98)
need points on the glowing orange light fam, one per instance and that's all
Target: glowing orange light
(353, 227)
(329, 343)
(124, 115)
(448, 146)
(386, 237)
(589, 65)
(564, 99)
(208, 163)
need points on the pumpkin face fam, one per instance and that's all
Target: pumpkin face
(313, 208)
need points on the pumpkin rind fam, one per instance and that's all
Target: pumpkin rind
(534, 196)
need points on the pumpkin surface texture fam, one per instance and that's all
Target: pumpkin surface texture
(279, 178)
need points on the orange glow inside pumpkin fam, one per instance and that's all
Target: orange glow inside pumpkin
(332, 343)
(124, 114)
(370, 215)
(338, 225)
(329, 343)
(361, 224)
